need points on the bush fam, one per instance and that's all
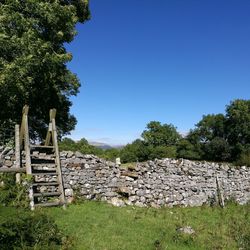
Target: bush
(244, 159)
(26, 230)
(162, 152)
(12, 194)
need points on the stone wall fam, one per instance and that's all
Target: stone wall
(154, 183)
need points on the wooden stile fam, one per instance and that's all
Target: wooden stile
(22, 143)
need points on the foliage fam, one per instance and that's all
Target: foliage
(26, 230)
(82, 146)
(218, 149)
(111, 154)
(136, 151)
(238, 126)
(187, 150)
(159, 135)
(244, 158)
(223, 138)
(216, 137)
(11, 193)
(159, 152)
(33, 61)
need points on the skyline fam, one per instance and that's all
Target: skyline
(172, 62)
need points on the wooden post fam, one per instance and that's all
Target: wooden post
(48, 136)
(17, 153)
(58, 164)
(220, 193)
(25, 130)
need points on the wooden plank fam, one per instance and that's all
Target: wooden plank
(27, 153)
(45, 184)
(17, 153)
(12, 170)
(22, 130)
(47, 173)
(48, 136)
(42, 146)
(47, 194)
(220, 193)
(58, 164)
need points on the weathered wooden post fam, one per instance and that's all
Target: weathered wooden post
(17, 153)
(220, 193)
(52, 126)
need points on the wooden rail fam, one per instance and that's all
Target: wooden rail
(51, 139)
(22, 143)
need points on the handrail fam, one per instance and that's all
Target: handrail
(24, 124)
(51, 137)
(24, 142)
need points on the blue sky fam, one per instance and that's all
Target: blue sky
(166, 60)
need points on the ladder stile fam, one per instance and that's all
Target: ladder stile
(42, 164)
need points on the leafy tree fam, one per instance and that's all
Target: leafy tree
(187, 150)
(33, 61)
(218, 149)
(210, 126)
(82, 146)
(136, 151)
(238, 126)
(160, 135)
(111, 154)
(208, 139)
(159, 152)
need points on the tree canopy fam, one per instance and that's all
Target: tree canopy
(33, 61)
(158, 134)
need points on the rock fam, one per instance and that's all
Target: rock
(70, 154)
(68, 192)
(79, 154)
(140, 204)
(111, 194)
(124, 190)
(186, 230)
(8, 163)
(117, 202)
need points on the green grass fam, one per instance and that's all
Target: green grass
(99, 226)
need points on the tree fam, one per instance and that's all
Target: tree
(238, 122)
(211, 126)
(159, 152)
(218, 149)
(33, 61)
(136, 151)
(187, 150)
(209, 138)
(160, 135)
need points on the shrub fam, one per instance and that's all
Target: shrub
(12, 194)
(244, 159)
(26, 230)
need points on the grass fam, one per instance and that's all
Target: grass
(99, 226)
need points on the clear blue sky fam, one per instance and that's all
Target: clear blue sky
(165, 60)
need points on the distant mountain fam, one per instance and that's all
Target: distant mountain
(104, 145)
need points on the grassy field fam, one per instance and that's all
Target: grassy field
(99, 226)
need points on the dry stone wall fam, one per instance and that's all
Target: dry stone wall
(165, 182)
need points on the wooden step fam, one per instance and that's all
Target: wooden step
(49, 204)
(43, 165)
(47, 194)
(44, 173)
(42, 161)
(45, 184)
(41, 146)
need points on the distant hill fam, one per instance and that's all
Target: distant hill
(104, 145)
